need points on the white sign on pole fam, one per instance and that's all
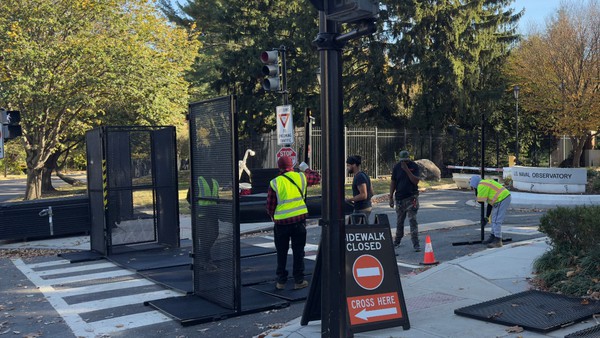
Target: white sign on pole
(285, 125)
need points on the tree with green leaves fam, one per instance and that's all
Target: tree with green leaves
(233, 34)
(447, 57)
(558, 73)
(66, 64)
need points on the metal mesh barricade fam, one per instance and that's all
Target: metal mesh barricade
(214, 199)
(132, 178)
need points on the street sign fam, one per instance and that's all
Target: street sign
(373, 291)
(285, 125)
(289, 152)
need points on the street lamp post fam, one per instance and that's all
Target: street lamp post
(516, 92)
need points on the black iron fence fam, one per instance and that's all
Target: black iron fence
(380, 148)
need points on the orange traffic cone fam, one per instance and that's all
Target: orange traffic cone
(429, 258)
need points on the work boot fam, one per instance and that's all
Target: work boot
(280, 286)
(416, 245)
(301, 285)
(489, 240)
(496, 243)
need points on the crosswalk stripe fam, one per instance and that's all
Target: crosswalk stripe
(80, 268)
(84, 290)
(48, 264)
(107, 326)
(108, 303)
(271, 244)
(87, 277)
(70, 313)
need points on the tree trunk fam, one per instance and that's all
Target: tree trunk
(67, 179)
(578, 142)
(34, 184)
(49, 167)
(438, 151)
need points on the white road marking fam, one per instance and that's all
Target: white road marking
(48, 264)
(410, 266)
(132, 283)
(108, 303)
(105, 327)
(83, 278)
(70, 312)
(80, 268)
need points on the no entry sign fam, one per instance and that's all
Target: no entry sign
(373, 292)
(367, 272)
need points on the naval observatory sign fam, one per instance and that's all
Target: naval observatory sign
(549, 180)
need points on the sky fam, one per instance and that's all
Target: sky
(536, 12)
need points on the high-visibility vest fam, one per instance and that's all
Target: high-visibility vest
(491, 192)
(290, 202)
(205, 191)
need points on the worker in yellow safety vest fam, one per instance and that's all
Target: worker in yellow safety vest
(208, 221)
(498, 199)
(287, 207)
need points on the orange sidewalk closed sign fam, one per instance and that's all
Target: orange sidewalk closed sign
(374, 297)
(374, 308)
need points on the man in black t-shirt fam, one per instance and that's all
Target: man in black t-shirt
(404, 192)
(362, 190)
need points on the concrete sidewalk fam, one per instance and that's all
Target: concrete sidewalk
(432, 296)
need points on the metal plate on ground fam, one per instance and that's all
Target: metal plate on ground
(532, 310)
(591, 332)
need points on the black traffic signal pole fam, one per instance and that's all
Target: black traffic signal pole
(283, 72)
(333, 285)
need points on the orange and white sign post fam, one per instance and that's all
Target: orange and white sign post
(374, 295)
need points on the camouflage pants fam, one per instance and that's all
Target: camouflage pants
(407, 207)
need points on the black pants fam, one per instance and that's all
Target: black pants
(208, 221)
(296, 232)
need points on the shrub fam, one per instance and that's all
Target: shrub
(572, 266)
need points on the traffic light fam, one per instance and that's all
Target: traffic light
(271, 69)
(352, 10)
(348, 11)
(11, 123)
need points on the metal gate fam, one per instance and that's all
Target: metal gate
(132, 184)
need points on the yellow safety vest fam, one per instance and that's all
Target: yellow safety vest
(205, 191)
(491, 192)
(289, 199)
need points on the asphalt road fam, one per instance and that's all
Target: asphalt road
(444, 215)
(15, 188)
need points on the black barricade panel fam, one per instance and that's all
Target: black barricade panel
(96, 182)
(132, 181)
(214, 197)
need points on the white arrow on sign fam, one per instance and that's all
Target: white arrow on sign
(365, 314)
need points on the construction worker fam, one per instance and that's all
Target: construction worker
(207, 219)
(404, 191)
(287, 208)
(498, 201)
(362, 190)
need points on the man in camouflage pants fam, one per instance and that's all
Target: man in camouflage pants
(405, 193)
